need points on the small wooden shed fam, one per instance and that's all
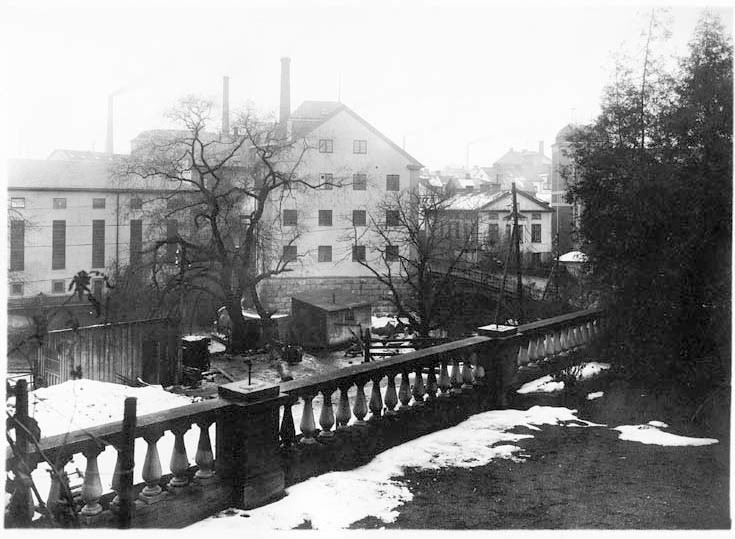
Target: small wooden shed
(328, 318)
(125, 351)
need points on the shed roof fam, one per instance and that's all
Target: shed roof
(331, 300)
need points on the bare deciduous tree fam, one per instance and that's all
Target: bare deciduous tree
(223, 215)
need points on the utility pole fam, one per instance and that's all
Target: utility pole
(519, 275)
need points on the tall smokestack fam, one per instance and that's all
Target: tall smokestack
(225, 105)
(108, 140)
(541, 147)
(285, 90)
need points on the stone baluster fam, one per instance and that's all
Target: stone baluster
(583, 337)
(326, 417)
(288, 428)
(431, 383)
(571, 338)
(467, 373)
(92, 486)
(419, 390)
(360, 408)
(590, 332)
(557, 342)
(307, 425)
(479, 369)
(343, 408)
(204, 457)
(391, 396)
(151, 468)
(376, 399)
(444, 382)
(563, 339)
(456, 379)
(59, 484)
(531, 351)
(179, 463)
(404, 392)
(549, 346)
(522, 357)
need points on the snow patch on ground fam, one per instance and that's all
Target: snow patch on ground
(595, 395)
(652, 434)
(546, 384)
(337, 499)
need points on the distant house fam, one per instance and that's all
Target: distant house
(484, 222)
(529, 169)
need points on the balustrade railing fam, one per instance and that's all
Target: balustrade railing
(311, 411)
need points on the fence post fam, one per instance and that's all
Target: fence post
(127, 462)
(21, 506)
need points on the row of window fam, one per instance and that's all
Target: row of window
(324, 253)
(326, 145)
(359, 181)
(60, 203)
(359, 218)
(58, 243)
(457, 232)
(58, 286)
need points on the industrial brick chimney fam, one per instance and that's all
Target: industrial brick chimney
(285, 110)
(541, 147)
(108, 139)
(225, 105)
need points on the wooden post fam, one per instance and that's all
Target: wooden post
(21, 508)
(126, 457)
(519, 277)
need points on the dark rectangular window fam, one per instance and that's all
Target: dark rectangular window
(358, 253)
(98, 243)
(536, 233)
(59, 203)
(172, 234)
(326, 180)
(290, 218)
(98, 203)
(57, 287)
(391, 253)
(325, 217)
(325, 253)
(359, 146)
(97, 287)
(136, 240)
(492, 215)
(290, 252)
(326, 145)
(58, 245)
(392, 218)
(359, 217)
(17, 202)
(17, 245)
(536, 216)
(392, 182)
(136, 203)
(359, 182)
(16, 289)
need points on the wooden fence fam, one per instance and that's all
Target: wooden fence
(125, 351)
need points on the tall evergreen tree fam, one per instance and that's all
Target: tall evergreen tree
(655, 187)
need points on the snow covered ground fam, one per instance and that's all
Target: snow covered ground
(651, 434)
(337, 499)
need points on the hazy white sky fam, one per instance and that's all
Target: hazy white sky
(437, 74)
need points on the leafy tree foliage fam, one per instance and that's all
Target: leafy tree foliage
(655, 186)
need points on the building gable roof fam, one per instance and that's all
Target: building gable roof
(485, 201)
(312, 114)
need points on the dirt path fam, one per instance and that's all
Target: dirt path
(580, 478)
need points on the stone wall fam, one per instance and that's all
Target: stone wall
(277, 292)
